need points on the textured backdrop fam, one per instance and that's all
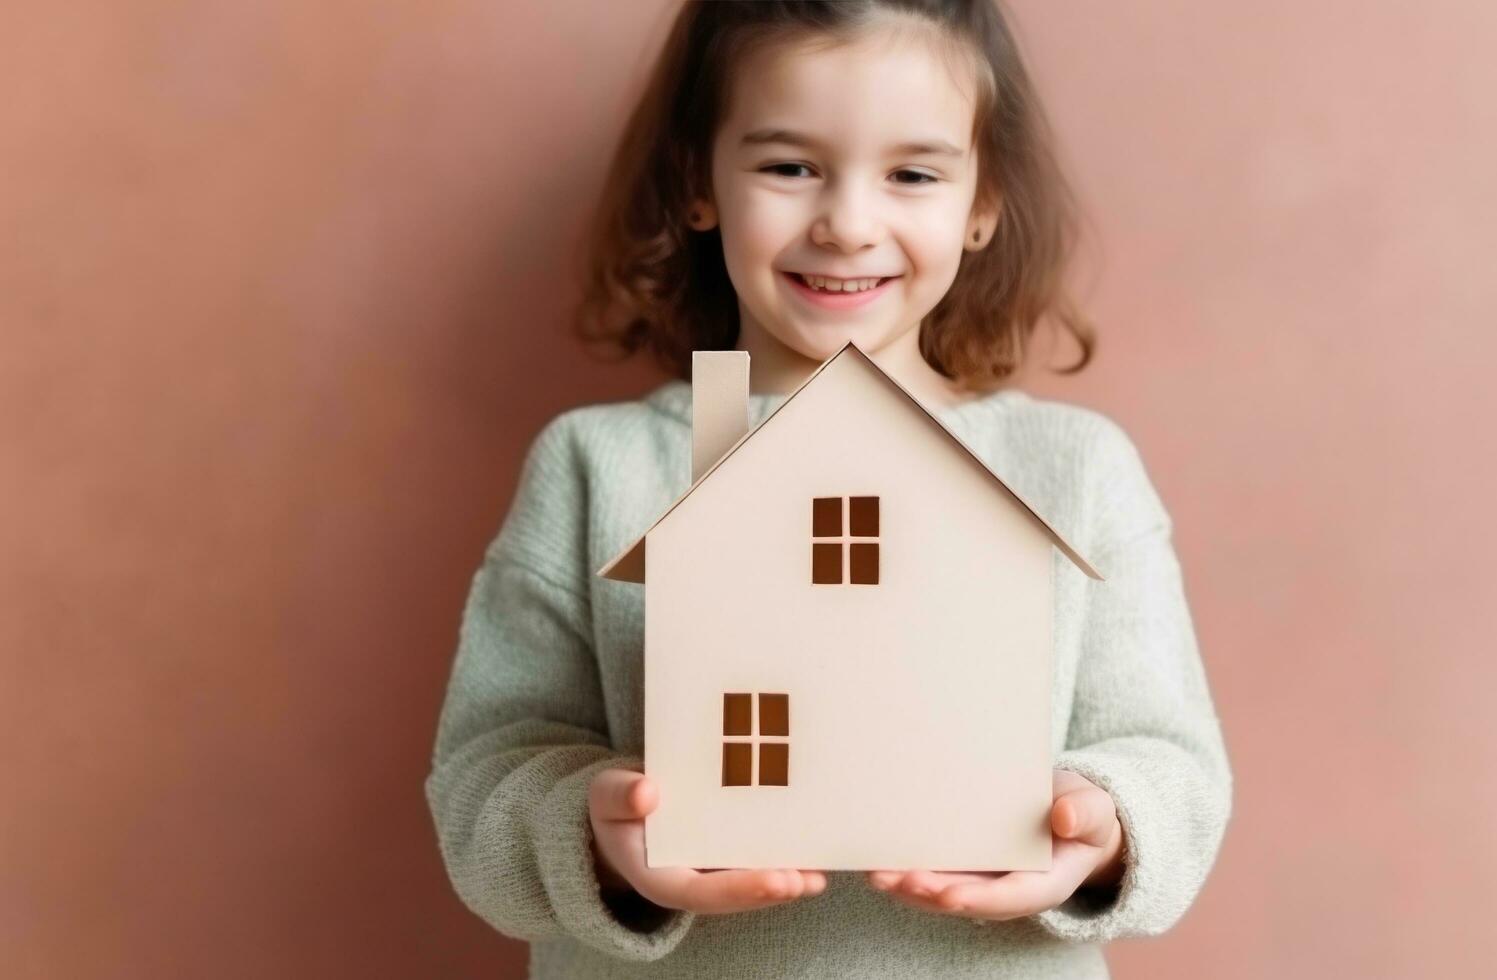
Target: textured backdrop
(281, 299)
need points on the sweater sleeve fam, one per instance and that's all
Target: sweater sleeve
(523, 731)
(1143, 726)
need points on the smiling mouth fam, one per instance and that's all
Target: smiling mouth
(876, 282)
(838, 301)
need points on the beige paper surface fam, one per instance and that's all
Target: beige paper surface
(719, 405)
(918, 707)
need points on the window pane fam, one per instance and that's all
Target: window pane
(738, 761)
(774, 714)
(826, 564)
(826, 517)
(774, 764)
(737, 714)
(864, 563)
(863, 517)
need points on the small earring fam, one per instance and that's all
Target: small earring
(976, 235)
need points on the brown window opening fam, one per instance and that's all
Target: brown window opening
(765, 734)
(844, 559)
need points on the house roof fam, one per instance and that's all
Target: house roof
(629, 564)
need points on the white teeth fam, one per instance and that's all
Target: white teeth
(840, 285)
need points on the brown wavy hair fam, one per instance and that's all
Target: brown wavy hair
(651, 282)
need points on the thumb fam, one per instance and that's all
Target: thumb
(621, 794)
(1084, 815)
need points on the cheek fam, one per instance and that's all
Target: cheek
(936, 253)
(934, 241)
(759, 227)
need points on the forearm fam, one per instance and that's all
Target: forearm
(523, 733)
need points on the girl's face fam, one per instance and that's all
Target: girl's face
(853, 162)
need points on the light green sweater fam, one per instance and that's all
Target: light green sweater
(547, 689)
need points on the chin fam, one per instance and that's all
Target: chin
(821, 343)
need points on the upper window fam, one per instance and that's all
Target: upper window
(844, 540)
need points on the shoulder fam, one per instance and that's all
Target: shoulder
(1083, 460)
(588, 429)
(598, 461)
(1078, 440)
(1104, 450)
(583, 438)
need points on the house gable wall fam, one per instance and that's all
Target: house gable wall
(957, 628)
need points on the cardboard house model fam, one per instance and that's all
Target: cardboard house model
(847, 638)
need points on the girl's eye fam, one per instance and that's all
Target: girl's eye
(779, 168)
(925, 178)
(776, 167)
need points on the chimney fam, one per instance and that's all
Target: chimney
(719, 405)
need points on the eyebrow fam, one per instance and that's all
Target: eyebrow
(791, 138)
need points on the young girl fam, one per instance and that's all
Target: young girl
(784, 151)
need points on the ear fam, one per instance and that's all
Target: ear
(983, 225)
(701, 214)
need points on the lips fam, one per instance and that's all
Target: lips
(828, 300)
(805, 277)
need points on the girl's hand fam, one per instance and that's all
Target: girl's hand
(1088, 846)
(618, 800)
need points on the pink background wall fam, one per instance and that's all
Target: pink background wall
(281, 292)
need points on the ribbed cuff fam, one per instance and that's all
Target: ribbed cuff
(1101, 914)
(626, 926)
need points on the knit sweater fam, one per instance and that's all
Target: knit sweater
(547, 690)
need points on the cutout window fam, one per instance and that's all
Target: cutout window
(844, 546)
(747, 734)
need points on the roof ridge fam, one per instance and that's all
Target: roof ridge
(629, 563)
(672, 397)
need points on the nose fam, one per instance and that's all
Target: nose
(847, 219)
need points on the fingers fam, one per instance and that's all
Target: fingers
(731, 890)
(925, 883)
(1023, 893)
(620, 799)
(1084, 820)
(621, 794)
(737, 889)
(990, 895)
(930, 890)
(1086, 814)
